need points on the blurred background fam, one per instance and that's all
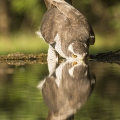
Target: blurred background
(19, 97)
(20, 19)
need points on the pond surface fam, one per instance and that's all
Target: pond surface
(71, 90)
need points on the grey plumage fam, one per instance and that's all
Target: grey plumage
(67, 89)
(69, 26)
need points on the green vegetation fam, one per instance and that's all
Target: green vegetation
(30, 43)
(20, 19)
(22, 43)
(19, 96)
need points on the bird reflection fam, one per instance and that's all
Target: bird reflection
(66, 89)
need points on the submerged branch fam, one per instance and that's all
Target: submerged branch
(21, 59)
(111, 57)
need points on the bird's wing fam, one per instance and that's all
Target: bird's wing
(48, 26)
(68, 10)
(77, 19)
(78, 22)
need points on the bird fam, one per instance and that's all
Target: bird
(66, 30)
(67, 89)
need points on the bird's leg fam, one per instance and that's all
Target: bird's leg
(52, 59)
(52, 54)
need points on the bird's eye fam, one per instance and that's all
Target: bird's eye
(74, 56)
(74, 63)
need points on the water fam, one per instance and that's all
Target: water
(74, 90)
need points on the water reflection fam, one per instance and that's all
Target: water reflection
(66, 88)
(21, 100)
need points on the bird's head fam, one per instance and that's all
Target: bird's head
(78, 50)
